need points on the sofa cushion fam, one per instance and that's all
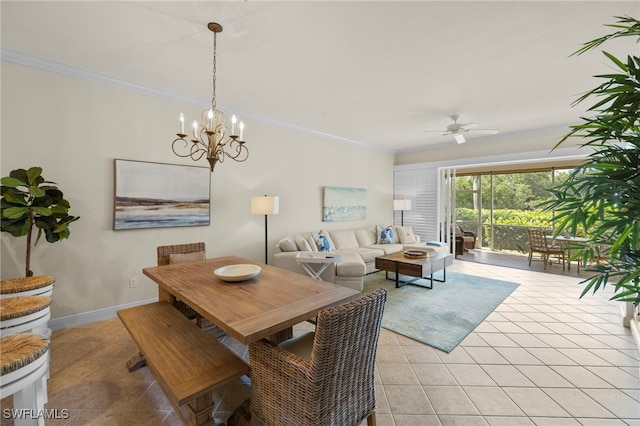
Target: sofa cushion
(406, 235)
(387, 248)
(366, 236)
(351, 266)
(385, 235)
(368, 254)
(344, 240)
(302, 244)
(288, 244)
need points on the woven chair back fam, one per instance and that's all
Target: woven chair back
(343, 358)
(165, 252)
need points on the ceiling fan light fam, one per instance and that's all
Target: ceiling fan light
(459, 138)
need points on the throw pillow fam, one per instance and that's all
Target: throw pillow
(385, 235)
(325, 243)
(187, 257)
(321, 241)
(287, 244)
(406, 235)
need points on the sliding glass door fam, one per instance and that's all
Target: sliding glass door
(499, 207)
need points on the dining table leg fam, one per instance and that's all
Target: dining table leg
(281, 336)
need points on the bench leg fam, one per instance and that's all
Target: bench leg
(198, 412)
(136, 361)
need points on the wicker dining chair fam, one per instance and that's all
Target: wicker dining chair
(179, 253)
(321, 378)
(538, 243)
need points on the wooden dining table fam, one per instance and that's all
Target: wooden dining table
(266, 306)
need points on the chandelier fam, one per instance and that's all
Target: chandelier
(209, 137)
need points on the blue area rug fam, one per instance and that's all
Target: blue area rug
(441, 317)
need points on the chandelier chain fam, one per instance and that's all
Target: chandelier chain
(213, 98)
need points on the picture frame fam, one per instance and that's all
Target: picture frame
(344, 204)
(160, 195)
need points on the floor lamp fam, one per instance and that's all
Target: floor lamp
(401, 205)
(266, 205)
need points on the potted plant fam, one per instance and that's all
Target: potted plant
(29, 200)
(602, 196)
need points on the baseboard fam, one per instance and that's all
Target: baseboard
(93, 316)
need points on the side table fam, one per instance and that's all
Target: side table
(322, 259)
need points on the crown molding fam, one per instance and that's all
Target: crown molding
(21, 58)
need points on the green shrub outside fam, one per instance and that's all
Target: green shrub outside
(509, 227)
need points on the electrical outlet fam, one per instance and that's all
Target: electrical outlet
(133, 282)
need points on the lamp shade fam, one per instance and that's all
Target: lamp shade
(267, 204)
(401, 205)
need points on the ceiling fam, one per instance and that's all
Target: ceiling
(374, 73)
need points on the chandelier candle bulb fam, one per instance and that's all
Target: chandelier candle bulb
(181, 123)
(195, 130)
(233, 124)
(210, 115)
(241, 130)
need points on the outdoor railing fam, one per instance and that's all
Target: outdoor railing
(505, 237)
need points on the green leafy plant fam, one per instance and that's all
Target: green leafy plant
(602, 196)
(29, 200)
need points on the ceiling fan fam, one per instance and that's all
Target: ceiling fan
(459, 129)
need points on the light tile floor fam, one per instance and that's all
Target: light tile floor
(544, 357)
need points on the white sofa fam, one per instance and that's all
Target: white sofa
(359, 247)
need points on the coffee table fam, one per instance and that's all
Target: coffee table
(415, 267)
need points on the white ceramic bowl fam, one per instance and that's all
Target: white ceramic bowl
(240, 272)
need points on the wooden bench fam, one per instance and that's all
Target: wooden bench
(186, 362)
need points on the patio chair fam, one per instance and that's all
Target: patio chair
(465, 240)
(325, 377)
(539, 243)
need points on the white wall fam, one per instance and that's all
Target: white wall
(74, 129)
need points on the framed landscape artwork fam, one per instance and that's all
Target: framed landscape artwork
(344, 204)
(157, 195)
